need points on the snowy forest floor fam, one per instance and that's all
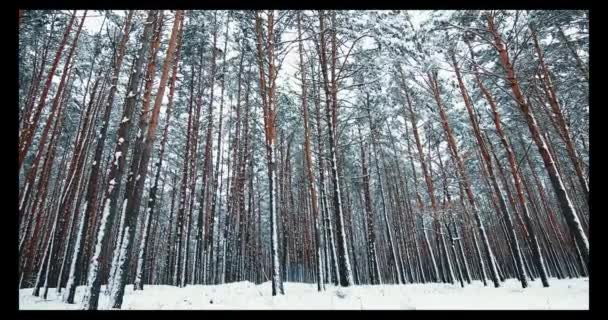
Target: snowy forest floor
(563, 294)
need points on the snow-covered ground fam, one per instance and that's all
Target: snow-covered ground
(563, 294)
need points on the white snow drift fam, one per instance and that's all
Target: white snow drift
(563, 294)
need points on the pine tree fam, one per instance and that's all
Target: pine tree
(91, 298)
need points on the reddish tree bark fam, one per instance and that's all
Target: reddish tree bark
(432, 78)
(27, 132)
(558, 185)
(489, 170)
(174, 48)
(563, 129)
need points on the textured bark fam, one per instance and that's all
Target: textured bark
(345, 273)
(489, 170)
(91, 198)
(413, 214)
(27, 133)
(178, 266)
(170, 246)
(309, 164)
(538, 258)
(47, 166)
(440, 233)
(268, 92)
(34, 86)
(372, 256)
(556, 181)
(152, 198)
(395, 189)
(219, 169)
(427, 179)
(207, 165)
(56, 108)
(453, 240)
(91, 298)
(432, 78)
(330, 257)
(76, 169)
(148, 141)
(56, 111)
(564, 130)
(142, 149)
(389, 232)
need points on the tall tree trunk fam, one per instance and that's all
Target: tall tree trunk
(391, 242)
(432, 78)
(345, 272)
(559, 117)
(207, 165)
(489, 170)
(148, 122)
(146, 150)
(308, 158)
(151, 205)
(27, 133)
(374, 272)
(91, 298)
(177, 271)
(267, 87)
(35, 82)
(56, 108)
(91, 197)
(427, 179)
(44, 180)
(558, 185)
(538, 258)
(56, 112)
